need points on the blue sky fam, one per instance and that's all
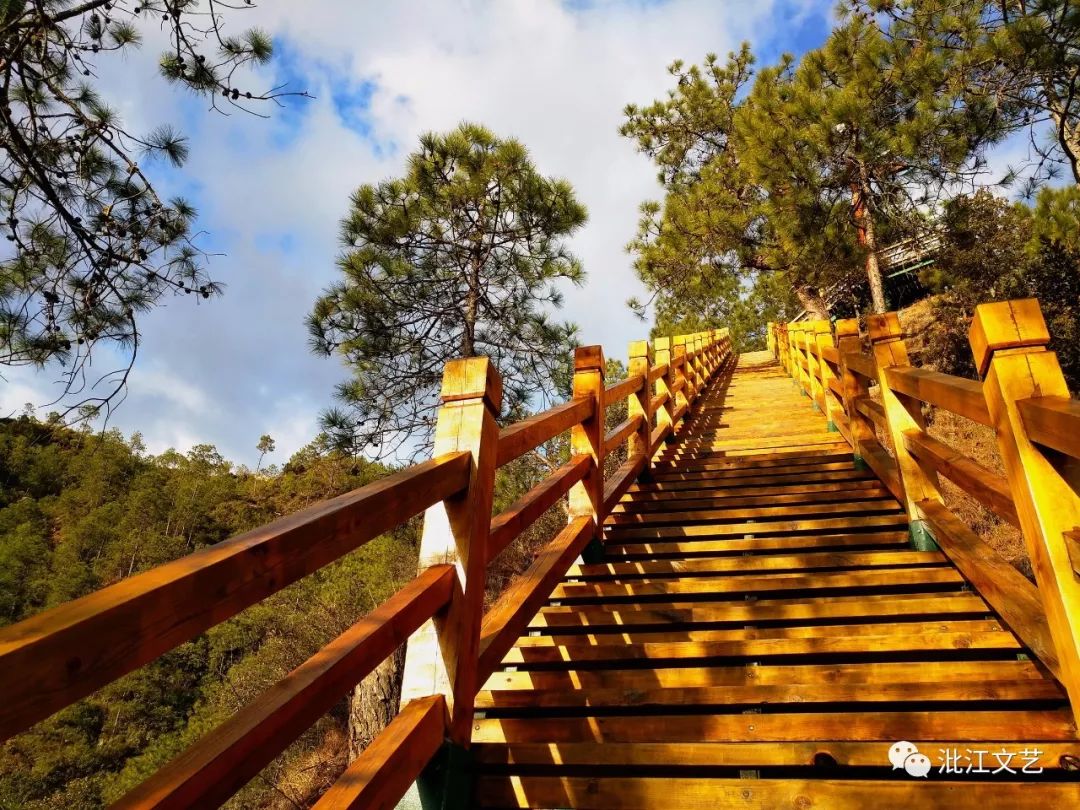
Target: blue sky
(270, 193)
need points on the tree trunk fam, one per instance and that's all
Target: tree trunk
(864, 223)
(811, 301)
(374, 702)
(1068, 136)
(472, 305)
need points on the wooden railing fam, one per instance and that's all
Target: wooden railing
(1023, 398)
(62, 655)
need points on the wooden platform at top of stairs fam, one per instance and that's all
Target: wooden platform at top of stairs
(759, 635)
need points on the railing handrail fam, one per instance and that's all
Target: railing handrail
(50, 660)
(59, 656)
(1023, 397)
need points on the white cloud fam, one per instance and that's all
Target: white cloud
(555, 75)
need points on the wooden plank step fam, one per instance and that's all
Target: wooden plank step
(661, 653)
(755, 453)
(1020, 725)
(773, 562)
(753, 584)
(767, 440)
(849, 508)
(738, 755)
(721, 481)
(786, 612)
(622, 535)
(810, 493)
(524, 703)
(736, 465)
(700, 793)
(746, 633)
(756, 545)
(925, 670)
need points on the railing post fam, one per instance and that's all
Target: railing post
(714, 351)
(441, 657)
(903, 413)
(770, 337)
(679, 375)
(639, 355)
(694, 344)
(853, 386)
(815, 370)
(785, 348)
(798, 371)
(830, 402)
(683, 349)
(587, 439)
(666, 414)
(1008, 340)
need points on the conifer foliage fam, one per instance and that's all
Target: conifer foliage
(89, 243)
(460, 257)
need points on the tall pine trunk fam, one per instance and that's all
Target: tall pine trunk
(374, 702)
(864, 224)
(472, 309)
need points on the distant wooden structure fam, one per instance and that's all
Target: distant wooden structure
(735, 618)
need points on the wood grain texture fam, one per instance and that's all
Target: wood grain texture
(516, 518)
(519, 438)
(51, 660)
(382, 774)
(509, 616)
(222, 761)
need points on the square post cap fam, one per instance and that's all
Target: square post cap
(472, 378)
(589, 358)
(884, 328)
(847, 327)
(1006, 325)
(639, 348)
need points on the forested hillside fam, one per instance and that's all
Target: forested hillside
(82, 510)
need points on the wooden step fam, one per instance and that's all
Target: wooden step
(706, 793)
(761, 614)
(1005, 725)
(617, 702)
(656, 636)
(924, 669)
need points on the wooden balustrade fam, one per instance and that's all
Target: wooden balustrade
(54, 659)
(1024, 399)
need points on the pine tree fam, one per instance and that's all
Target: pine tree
(1016, 64)
(858, 135)
(90, 244)
(459, 257)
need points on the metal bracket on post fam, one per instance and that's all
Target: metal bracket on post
(593, 553)
(922, 538)
(445, 783)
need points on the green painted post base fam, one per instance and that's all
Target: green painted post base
(593, 553)
(803, 391)
(860, 463)
(921, 537)
(445, 784)
(831, 427)
(817, 408)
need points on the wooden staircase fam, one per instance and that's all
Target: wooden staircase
(771, 605)
(759, 634)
